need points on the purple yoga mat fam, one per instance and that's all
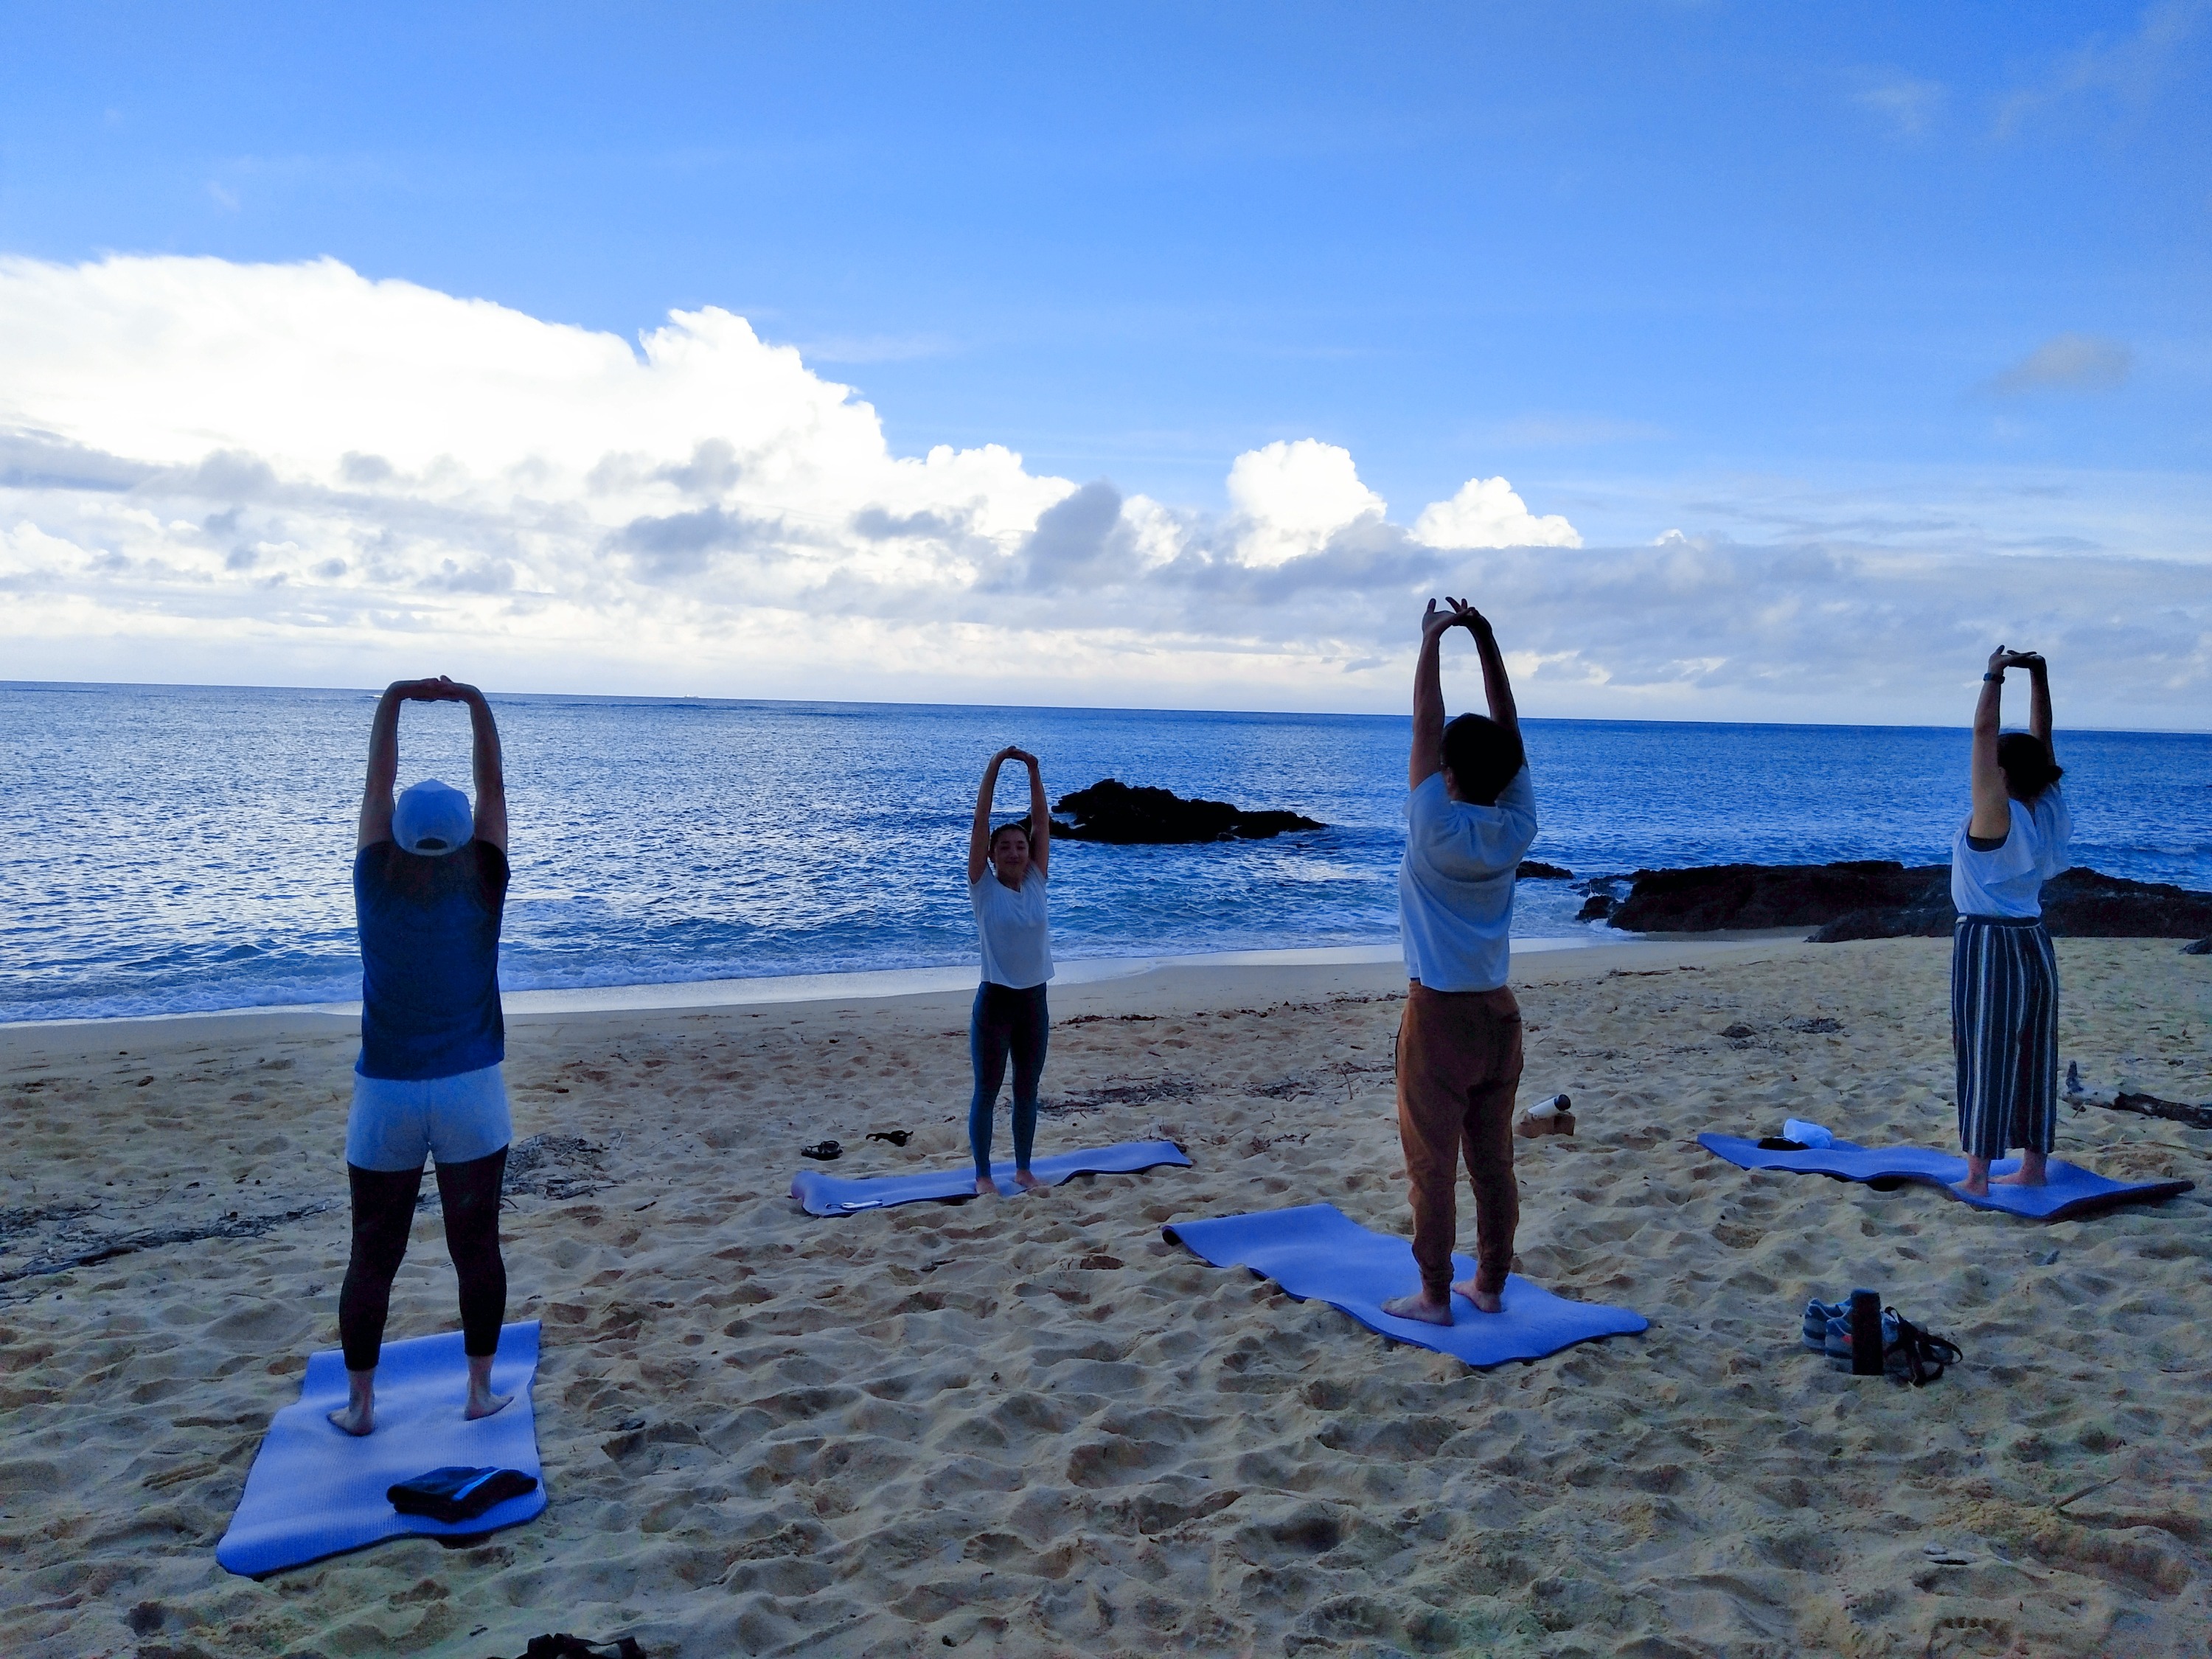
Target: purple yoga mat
(2073, 1192)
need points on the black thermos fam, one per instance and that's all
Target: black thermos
(1866, 1333)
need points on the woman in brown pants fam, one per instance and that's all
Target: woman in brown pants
(1469, 819)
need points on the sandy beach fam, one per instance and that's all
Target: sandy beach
(1033, 1426)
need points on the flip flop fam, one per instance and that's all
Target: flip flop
(823, 1150)
(896, 1136)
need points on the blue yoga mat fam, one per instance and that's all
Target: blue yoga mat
(826, 1194)
(2073, 1190)
(314, 1490)
(1317, 1251)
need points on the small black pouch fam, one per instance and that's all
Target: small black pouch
(455, 1493)
(1780, 1144)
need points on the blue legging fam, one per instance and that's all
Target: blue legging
(1006, 1021)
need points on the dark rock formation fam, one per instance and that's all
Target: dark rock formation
(1596, 908)
(1710, 897)
(1115, 812)
(1881, 898)
(1537, 870)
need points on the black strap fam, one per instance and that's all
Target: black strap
(1924, 1356)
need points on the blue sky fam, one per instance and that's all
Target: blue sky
(1898, 278)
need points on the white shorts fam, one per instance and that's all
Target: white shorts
(395, 1125)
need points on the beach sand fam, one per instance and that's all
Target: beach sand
(1033, 1426)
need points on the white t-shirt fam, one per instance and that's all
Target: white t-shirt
(2007, 879)
(1010, 926)
(1456, 885)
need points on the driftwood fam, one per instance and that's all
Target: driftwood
(106, 1249)
(2174, 1111)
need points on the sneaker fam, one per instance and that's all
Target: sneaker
(1817, 1315)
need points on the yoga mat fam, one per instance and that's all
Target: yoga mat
(2073, 1190)
(827, 1194)
(1318, 1251)
(314, 1490)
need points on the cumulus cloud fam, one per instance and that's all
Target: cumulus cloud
(2067, 362)
(1486, 513)
(295, 474)
(1296, 495)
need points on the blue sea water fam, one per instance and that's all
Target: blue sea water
(165, 849)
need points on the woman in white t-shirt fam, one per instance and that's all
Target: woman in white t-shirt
(2004, 975)
(1006, 870)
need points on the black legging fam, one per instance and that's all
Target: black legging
(383, 1214)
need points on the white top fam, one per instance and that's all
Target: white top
(1011, 926)
(2007, 880)
(1456, 885)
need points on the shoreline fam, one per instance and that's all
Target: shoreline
(1099, 985)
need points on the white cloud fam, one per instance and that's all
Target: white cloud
(2067, 362)
(1909, 104)
(1295, 496)
(296, 475)
(1487, 513)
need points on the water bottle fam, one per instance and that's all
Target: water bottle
(1866, 1333)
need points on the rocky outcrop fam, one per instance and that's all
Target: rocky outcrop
(1881, 898)
(1122, 816)
(1537, 870)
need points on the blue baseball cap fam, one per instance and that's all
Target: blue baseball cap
(432, 818)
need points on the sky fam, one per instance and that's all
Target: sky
(1742, 362)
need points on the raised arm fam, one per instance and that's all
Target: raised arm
(1992, 817)
(375, 825)
(1427, 758)
(1040, 814)
(490, 773)
(979, 834)
(1497, 688)
(2039, 697)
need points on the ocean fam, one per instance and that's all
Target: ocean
(169, 850)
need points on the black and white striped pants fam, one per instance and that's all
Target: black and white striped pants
(2004, 1028)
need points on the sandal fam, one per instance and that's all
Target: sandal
(1915, 1355)
(823, 1150)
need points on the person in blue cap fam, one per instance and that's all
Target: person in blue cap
(429, 883)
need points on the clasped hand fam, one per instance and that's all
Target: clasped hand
(443, 689)
(1435, 624)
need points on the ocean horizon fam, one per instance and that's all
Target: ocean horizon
(174, 849)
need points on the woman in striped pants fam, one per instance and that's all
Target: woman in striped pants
(2004, 976)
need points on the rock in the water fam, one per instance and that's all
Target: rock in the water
(1881, 898)
(1596, 908)
(1711, 897)
(1113, 812)
(1537, 870)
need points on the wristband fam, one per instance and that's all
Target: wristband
(1993, 677)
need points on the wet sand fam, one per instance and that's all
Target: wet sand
(1032, 1426)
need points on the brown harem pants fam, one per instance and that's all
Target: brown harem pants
(1459, 1064)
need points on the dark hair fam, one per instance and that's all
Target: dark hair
(1483, 757)
(1022, 824)
(2028, 769)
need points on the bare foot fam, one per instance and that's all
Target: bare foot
(483, 1402)
(986, 1187)
(2034, 1171)
(1419, 1306)
(1977, 1183)
(359, 1415)
(1027, 1183)
(1486, 1301)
